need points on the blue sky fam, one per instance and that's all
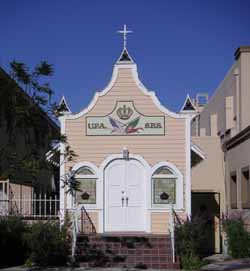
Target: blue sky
(179, 46)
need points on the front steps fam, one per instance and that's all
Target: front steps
(141, 251)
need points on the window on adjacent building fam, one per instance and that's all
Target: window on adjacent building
(164, 186)
(245, 188)
(87, 179)
(233, 190)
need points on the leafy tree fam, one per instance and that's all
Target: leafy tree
(27, 132)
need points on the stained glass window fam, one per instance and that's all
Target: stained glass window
(163, 171)
(87, 179)
(164, 186)
(164, 190)
(84, 171)
(87, 194)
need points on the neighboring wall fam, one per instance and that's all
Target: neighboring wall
(227, 112)
(208, 176)
(244, 59)
(222, 105)
(237, 160)
(226, 116)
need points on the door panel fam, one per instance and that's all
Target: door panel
(135, 196)
(114, 211)
(125, 179)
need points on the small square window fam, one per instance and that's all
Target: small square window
(164, 190)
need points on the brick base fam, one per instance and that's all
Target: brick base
(144, 252)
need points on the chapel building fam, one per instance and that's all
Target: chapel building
(133, 157)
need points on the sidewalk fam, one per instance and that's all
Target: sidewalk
(233, 265)
(76, 269)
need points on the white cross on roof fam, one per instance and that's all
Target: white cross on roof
(124, 32)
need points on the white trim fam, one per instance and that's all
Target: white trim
(86, 164)
(188, 111)
(179, 186)
(63, 99)
(195, 148)
(123, 62)
(188, 168)
(144, 163)
(145, 91)
(112, 157)
(95, 169)
(62, 172)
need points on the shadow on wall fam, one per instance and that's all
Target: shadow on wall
(207, 206)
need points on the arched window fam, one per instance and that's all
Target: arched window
(164, 186)
(87, 178)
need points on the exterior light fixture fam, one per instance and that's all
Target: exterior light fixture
(125, 153)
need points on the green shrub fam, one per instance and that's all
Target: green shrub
(238, 238)
(193, 263)
(190, 236)
(13, 249)
(48, 244)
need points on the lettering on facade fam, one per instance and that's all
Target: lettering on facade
(125, 120)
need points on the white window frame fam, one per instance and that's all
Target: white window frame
(95, 176)
(179, 196)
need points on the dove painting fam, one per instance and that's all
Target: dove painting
(118, 127)
(129, 128)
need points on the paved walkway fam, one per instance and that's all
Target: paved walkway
(233, 265)
(74, 269)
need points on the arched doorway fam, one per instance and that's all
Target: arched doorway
(125, 196)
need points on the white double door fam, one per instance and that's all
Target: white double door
(125, 196)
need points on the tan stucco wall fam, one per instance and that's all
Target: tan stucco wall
(235, 85)
(245, 89)
(208, 176)
(237, 159)
(216, 105)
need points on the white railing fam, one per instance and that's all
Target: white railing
(75, 231)
(38, 206)
(4, 192)
(171, 230)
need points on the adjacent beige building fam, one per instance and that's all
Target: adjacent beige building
(221, 129)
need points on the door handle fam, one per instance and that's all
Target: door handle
(127, 201)
(122, 201)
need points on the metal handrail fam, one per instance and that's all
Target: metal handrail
(75, 227)
(177, 220)
(171, 230)
(75, 230)
(87, 225)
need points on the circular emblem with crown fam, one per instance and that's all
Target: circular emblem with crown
(124, 112)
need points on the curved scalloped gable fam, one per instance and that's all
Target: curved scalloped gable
(125, 86)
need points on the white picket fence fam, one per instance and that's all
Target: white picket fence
(37, 207)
